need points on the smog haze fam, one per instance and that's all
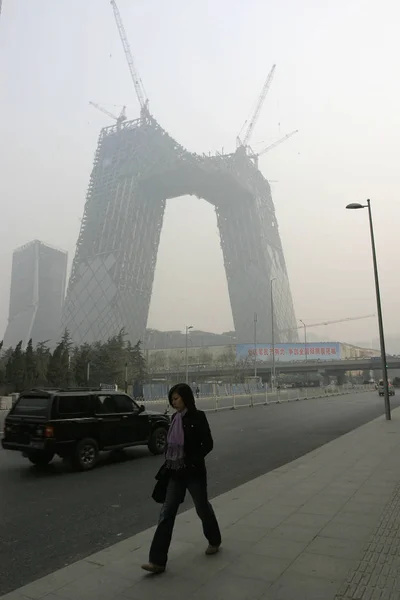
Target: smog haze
(203, 64)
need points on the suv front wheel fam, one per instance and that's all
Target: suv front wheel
(158, 441)
(86, 454)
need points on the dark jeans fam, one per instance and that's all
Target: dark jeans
(197, 487)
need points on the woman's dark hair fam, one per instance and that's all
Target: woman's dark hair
(185, 392)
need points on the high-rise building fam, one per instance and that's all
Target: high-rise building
(137, 167)
(37, 294)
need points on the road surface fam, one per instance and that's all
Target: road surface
(52, 517)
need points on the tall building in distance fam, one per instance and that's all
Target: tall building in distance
(37, 294)
(137, 167)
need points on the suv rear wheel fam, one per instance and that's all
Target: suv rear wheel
(86, 454)
(41, 458)
(158, 441)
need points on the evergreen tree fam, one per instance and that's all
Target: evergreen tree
(42, 359)
(15, 369)
(112, 359)
(139, 362)
(137, 368)
(81, 357)
(67, 345)
(30, 371)
(2, 365)
(55, 372)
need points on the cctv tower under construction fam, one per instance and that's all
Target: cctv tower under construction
(138, 166)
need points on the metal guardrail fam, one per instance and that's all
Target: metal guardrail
(234, 401)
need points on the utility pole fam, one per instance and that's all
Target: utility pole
(273, 334)
(305, 345)
(255, 345)
(188, 327)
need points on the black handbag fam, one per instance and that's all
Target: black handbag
(160, 490)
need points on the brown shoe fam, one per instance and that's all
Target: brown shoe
(211, 550)
(155, 569)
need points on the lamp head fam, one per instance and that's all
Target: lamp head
(355, 206)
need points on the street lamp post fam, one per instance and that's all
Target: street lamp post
(188, 327)
(305, 345)
(272, 334)
(355, 206)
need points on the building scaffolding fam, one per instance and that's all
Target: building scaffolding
(137, 167)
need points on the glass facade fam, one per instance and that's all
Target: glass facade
(37, 294)
(137, 167)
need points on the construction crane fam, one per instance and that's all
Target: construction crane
(121, 117)
(330, 322)
(137, 82)
(255, 156)
(275, 144)
(257, 111)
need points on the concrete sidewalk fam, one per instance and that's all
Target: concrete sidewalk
(323, 527)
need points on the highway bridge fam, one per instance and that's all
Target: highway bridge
(331, 367)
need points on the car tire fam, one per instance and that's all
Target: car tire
(40, 459)
(158, 440)
(86, 455)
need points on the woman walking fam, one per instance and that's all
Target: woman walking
(189, 441)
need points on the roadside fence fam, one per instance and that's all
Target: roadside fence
(231, 400)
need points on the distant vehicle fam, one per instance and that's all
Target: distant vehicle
(381, 388)
(78, 424)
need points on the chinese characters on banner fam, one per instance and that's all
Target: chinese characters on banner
(289, 352)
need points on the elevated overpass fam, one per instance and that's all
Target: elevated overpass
(331, 367)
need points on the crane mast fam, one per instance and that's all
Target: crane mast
(259, 106)
(140, 93)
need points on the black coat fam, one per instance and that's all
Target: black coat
(198, 443)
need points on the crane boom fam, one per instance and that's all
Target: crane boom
(275, 144)
(140, 93)
(103, 110)
(338, 321)
(330, 322)
(259, 106)
(121, 117)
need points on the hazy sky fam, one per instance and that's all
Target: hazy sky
(203, 63)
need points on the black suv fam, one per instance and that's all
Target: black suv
(78, 424)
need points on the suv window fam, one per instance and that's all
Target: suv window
(114, 403)
(105, 404)
(124, 404)
(36, 406)
(73, 405)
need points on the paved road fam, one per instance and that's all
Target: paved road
(51, 517)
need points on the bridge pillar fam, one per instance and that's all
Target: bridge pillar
(341, 377)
